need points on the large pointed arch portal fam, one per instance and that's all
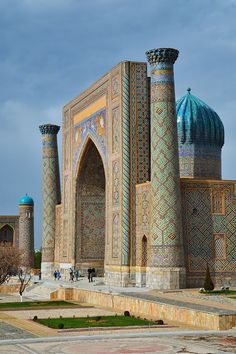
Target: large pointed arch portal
(90, 211)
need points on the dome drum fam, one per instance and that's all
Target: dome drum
(196, 161)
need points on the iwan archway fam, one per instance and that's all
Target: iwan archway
(90, 211)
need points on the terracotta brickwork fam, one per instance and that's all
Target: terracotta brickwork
(51, 193)
(26, 232)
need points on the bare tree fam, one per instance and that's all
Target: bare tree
(24, 277)
(9, 262)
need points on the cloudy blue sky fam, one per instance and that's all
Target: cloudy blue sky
(51, 50)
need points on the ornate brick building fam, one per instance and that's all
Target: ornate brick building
(142, 197)
(18, 230)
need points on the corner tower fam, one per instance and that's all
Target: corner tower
(26, 230)
(166, 261)
(51, 194)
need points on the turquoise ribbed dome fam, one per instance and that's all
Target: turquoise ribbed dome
(197, 123)
(26, 200)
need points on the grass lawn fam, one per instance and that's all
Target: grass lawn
(35, 304)
(220, 292)
(99, 321)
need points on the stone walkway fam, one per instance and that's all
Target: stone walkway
(168, 344)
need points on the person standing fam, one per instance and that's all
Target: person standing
(90, 278)
(71, 275)
(77, 275)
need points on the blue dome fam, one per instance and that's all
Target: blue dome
(26, 200)
(198, 123)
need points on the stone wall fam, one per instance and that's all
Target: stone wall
(147, 309)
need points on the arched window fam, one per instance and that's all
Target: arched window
(144, 251)
(6, 235)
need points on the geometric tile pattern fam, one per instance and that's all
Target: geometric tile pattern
(209, 238)
(143, 220)
(126, 167)
(26, 232)
(115, 130)
(115, 234)
(116, 182)
(219, 246)
(198, 161)
(218, 201)
(166, 205)
(51, 189)
(139, 138)
(94, 126)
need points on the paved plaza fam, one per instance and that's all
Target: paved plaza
(18, 334)
(130, 343)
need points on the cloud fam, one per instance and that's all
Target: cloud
(51, 50)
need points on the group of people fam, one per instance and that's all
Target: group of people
(74, 275)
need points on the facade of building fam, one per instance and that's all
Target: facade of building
(18, 231)
(142, 199)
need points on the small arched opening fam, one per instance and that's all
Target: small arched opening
(7, 235)
(144, 252)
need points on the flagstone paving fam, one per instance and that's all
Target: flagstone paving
(168, 344)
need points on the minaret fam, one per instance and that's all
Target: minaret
(51, 195)
(166, 249)
(26, 231)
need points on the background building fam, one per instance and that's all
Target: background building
(18, 231)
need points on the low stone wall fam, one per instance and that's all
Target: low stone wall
(9, 288)
(148, 309)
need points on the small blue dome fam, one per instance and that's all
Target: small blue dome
(197, 122)
(26, 200)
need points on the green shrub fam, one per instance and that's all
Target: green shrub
(126, 313)
(159, 322)
(98, 318)
(61, 325)
(208, 283)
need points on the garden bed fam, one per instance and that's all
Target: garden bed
(99, 321)
(36, 304)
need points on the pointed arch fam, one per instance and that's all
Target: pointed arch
(7, 233)
(90, 209)
(82, 150)
(144, 252)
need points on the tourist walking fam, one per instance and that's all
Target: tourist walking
(77, 275)
(71, 275)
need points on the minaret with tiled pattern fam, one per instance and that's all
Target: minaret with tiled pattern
(51, 195)
(166, 246)
(26, 231)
